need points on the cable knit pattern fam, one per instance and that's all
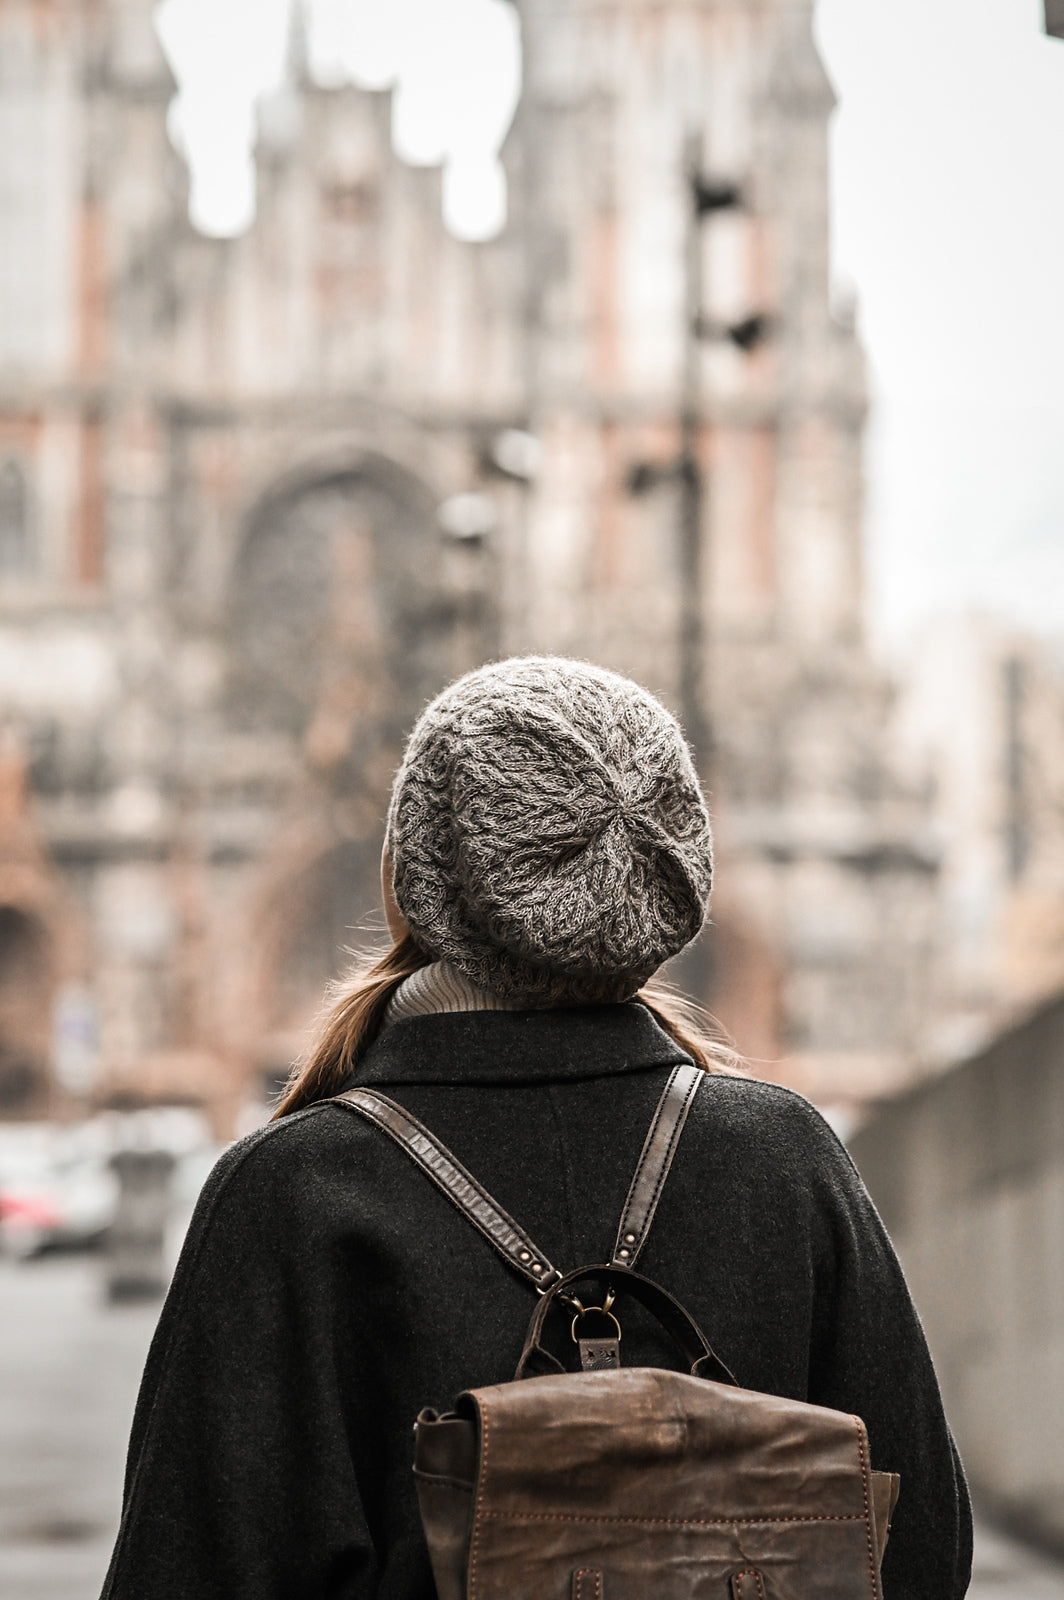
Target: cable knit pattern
(548, 834)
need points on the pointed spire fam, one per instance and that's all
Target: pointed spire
(800, 79)
(297, 47)
(279, 112)
(137, 56)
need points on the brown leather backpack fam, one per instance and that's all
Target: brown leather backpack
(637, 1483)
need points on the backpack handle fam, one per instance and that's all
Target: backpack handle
(698, 1354)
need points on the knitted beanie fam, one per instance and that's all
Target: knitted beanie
(547, 832)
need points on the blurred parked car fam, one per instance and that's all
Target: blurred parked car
(59, 1189)
(55, 1205)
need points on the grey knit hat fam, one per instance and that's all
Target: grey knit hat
(548, 834)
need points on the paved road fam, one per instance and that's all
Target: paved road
(69, 1370)
(1006, 1571)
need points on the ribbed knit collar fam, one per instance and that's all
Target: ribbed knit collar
(439, 987)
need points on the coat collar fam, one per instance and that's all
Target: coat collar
(508, 1047)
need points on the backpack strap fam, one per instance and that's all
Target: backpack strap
(456, 1182)
(497, 1226)
(658, 1150)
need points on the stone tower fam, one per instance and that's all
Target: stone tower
(259, 498)
(698, 517)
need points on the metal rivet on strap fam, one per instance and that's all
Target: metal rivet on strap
(624, 1254)
(629, 1238)
(524, 1255)
(536, 1267)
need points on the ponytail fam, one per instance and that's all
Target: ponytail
(355, 1005)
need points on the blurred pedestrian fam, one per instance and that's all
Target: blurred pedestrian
(547, 849)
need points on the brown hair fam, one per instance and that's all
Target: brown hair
(356, 1004)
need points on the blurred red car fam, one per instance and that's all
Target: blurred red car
(52, 1205)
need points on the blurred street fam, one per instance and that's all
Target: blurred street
(69, 1369)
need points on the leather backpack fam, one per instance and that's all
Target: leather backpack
(634, 1483)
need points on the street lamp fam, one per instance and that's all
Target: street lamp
(705, 198)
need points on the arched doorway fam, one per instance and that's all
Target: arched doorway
(25, 996)
(347, 611)
(344, 615)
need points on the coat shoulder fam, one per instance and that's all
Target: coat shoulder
(778, 1130)
(281, 1170)
(763, 1107)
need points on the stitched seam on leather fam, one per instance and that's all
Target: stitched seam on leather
(518, 1240)
(672, 1522)
(868, 1521)
(588, 1572)
(644, 1157)
(478, 1511)
(681, 1118)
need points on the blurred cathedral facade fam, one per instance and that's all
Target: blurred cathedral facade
(260, 498)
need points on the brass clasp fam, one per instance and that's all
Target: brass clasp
(587, 1311)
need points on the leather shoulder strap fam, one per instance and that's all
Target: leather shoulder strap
(658, 1150)
(497, 1226)
(458, 1184)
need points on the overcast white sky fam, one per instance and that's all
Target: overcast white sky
(948, 151)
(948, 193)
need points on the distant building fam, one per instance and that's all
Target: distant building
(259, 498)
(983, 709)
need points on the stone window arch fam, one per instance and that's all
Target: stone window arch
(17, 555)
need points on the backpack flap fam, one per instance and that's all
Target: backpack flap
(656, 1508)
(638, 1482)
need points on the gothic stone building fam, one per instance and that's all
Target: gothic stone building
(260, 497)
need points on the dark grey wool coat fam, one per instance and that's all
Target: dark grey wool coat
(327, 1291)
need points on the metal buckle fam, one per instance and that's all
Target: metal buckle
(586, 1311)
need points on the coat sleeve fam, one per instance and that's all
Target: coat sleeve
(239, 1480)
(869, 1356)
